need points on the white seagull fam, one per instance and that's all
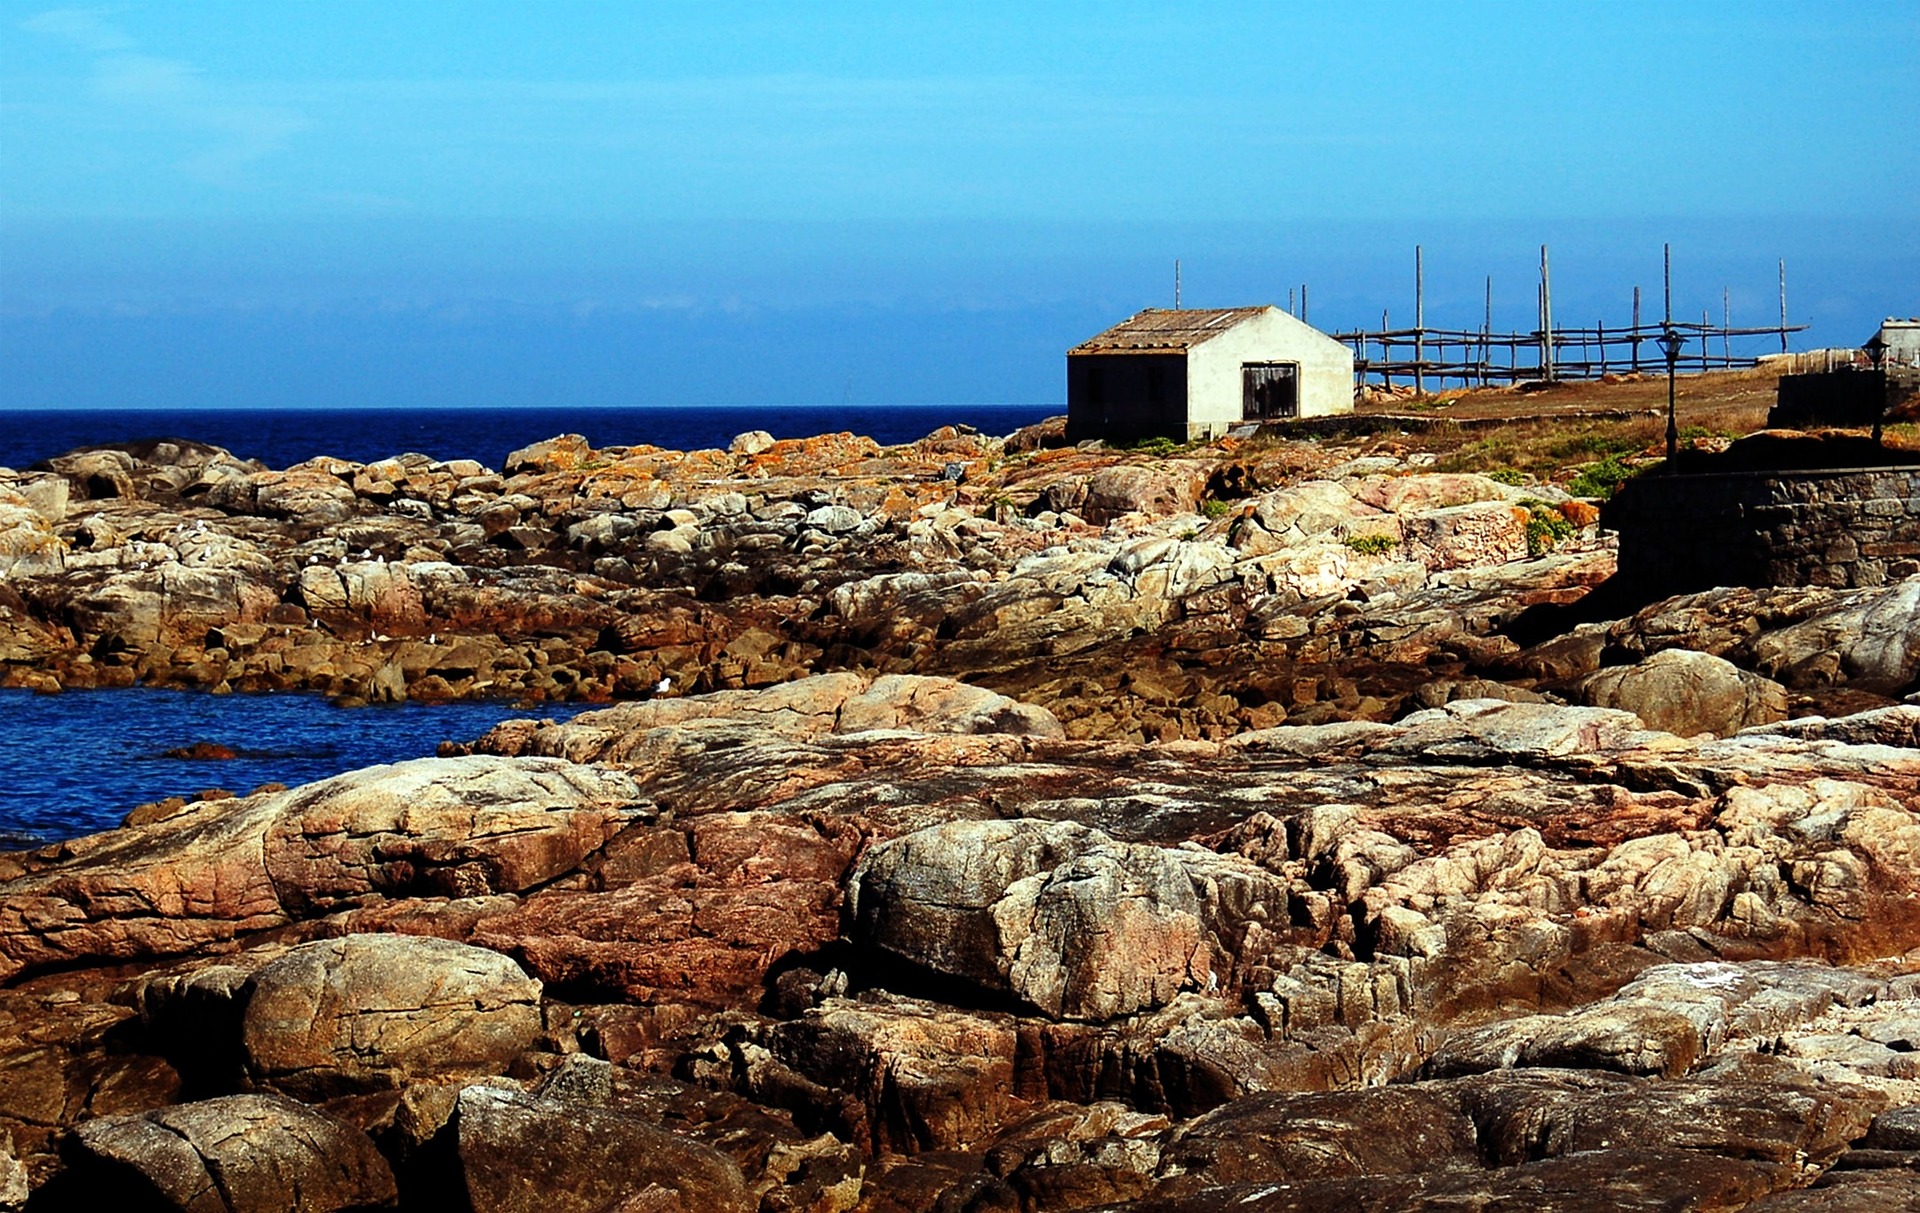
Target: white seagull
(663, 686)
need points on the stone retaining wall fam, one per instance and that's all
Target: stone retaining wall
(1851, 527)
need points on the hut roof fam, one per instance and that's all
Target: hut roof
(1159, 329)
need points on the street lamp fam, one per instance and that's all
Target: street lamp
(1876, 349)
(1671, 342)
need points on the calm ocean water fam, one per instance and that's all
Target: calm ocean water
(283, 437)
(76, 762)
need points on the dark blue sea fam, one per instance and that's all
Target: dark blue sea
(76, 762)
(282, 437)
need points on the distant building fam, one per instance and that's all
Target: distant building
(1902, 341)
(1195, 373)
(1855, 393)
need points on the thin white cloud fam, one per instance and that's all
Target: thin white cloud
(145, 79)
(240, 133)
(83, 27)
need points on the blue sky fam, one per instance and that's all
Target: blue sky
(626, 203)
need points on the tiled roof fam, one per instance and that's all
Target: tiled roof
(1160, 328)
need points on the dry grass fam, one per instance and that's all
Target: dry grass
(1552, 433)
(1746, 391)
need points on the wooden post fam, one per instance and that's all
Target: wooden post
(1636, 329)
(1546, 317)
(1670, 348)
(1291, 312)
(1419, 323)
(1668, 250)
(1783, 305)
(1540, 319)
(1176, 284)
(1303, 302)
(1706, 346)
(1486, 333)
(1386, 352)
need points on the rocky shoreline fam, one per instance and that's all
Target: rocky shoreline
(1018, 827)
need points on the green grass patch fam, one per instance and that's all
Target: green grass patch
(1601, 479)
(1372, 545)
(1154, 446)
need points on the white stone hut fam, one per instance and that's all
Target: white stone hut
(1901, 338)
(1195, 373)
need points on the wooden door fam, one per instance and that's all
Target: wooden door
(1269, 390)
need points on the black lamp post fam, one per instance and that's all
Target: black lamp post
(1670, 344)
(1876, 349)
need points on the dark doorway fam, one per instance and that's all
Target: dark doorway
(1269, 390)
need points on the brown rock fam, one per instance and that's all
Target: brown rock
(212, 874)
(201, 751)
(1684, 692)
(524, 1154)
(564, 453)
(447, 826)
(236, 1154)
(371, 1011)
(1173, 487)
(1387, 1131)
(1059, 916)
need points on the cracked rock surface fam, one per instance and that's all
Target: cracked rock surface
(743, 952)
(235, 1154)
(369, 1011)
(1043, 842)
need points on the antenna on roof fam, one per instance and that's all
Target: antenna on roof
(1176, 284)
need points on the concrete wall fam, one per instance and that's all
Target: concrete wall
(1213, 370)
(1113, 396)
(1852, 527)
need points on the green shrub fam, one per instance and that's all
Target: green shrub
(1372, 545)
(1601, 479)
(1213, 507)
(1507, 475)
(1547, 527)
(1153, 446)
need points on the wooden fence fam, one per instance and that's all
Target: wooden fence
(1549, 351)
(1470, 358)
